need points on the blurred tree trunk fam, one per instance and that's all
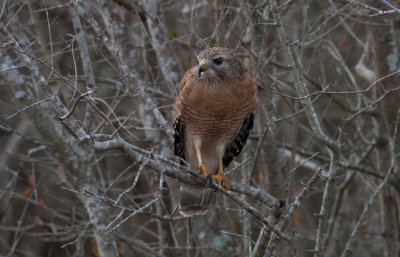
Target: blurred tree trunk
(385, 50)
(268, 169)
(272, 165)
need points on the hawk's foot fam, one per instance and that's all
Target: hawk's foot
(219, 179)
(203, 169)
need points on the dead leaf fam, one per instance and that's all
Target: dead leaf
(341, 41)
(27, 191)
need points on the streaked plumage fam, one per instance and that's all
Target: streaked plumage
(214, 112)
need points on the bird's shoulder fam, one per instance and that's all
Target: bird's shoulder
(188, 80)
(185, 87)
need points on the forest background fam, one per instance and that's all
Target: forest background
(87, 166)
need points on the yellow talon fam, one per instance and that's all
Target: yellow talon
(203, 169)
(219, 179)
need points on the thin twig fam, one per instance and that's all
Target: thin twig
(347, 250)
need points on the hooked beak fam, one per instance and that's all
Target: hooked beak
(203, 65)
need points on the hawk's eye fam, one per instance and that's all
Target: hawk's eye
(217, 61)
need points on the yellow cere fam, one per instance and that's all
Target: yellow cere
(204, 63)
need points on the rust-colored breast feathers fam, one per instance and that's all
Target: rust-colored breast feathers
(218, 112)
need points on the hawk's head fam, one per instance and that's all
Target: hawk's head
(218, 63)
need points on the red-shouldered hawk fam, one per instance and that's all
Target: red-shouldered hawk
(213, 116)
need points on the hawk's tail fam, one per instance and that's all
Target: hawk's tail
(194, 200)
